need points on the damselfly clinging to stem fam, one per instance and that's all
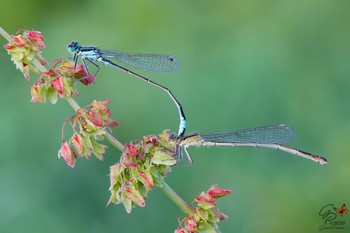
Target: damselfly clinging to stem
(265, 137)
(146, 62)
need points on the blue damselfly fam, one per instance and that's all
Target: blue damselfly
(146, 62)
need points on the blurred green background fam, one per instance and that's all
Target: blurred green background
(244, 64)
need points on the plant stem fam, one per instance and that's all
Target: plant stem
(38, 65)
(5, 34)
(174, 197)
(114, 141)
(72, 103)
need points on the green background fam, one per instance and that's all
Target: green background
(243, 64)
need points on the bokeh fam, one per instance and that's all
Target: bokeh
(243, 64)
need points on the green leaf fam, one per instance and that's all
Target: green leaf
(161, 157)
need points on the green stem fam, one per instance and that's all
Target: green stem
(114, 141)
(5, 34)
(174, 197)
(38, 65)
(73, 103)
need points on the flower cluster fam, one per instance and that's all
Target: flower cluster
(142, 165)
(24, 47)
(59, 81)
(205, 214)
(88, 126)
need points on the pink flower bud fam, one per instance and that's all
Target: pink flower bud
(9, 47)
(134, 195)
(221, 216)
(19, 41)
(216, 192)
(95, 118)
(191, 223)
(68, 155)
(78, 144)
(131, 149)
(36, 38)
(34, 91)
(57, 83)
(146, 179)
(35, 35)
(181, 230)
(205, 199)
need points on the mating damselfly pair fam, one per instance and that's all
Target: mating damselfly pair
(263, 137)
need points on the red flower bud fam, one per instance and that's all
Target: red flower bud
(78, 144)
(216, 192)
(68, 155)
(34, 91)
(57, 83)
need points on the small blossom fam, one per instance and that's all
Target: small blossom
(95, 118)
(134, 195)
(37, 38)
(216, 192)
(205, 201)
(68, 155)
(146, 179)
(78, 144)
(57, 83)
(24, 48)
(131, 149)
(182, 230)
(82, 76)
(140, 172)
(34, 91)
(221, 216)
(205, 214)
(128, 160)
(19, 41)
(79, 73)
(115, 171)
(87, 132)
(191, 223)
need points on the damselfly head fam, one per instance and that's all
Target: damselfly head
(172, 137)
(73, 47)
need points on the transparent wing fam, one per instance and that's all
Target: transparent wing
(273, 134)
(147, 62)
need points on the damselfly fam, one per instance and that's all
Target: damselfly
(146, 62)
(266, 137)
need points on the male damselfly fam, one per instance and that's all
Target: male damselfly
(146, 62)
